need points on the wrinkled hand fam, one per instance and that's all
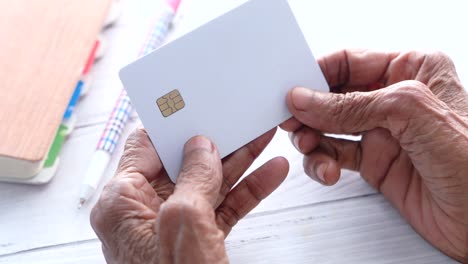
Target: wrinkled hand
(142, 217)
(412, 113)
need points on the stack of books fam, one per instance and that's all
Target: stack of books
(46, 48)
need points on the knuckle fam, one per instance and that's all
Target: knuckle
(190, 209)
(254, 150)
(134, 138)
(126, 162)
(200, 164)
(255, 188)
(137, 154)
(407, 106)
(410, 93)
(203, 173)
(198, 167)
(138, 139)
(443, 78)
(338, 100)
(228, 216)
(132, 152)
(203, 176)
(440, 69)
(346, 105)
(226, 186)
(439, 57)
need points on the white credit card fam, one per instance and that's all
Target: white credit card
(227, 80)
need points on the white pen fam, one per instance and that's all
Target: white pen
(122, 110)
(98, 165)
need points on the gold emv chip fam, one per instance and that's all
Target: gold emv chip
(170, 103)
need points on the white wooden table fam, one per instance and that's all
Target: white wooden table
(302, 222)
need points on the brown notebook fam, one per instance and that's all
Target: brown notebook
(43, 48)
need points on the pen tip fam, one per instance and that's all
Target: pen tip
(81, 203)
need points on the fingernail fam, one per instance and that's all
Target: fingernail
(197, 143)
(295, 140)
(301, 98)
(320, 171)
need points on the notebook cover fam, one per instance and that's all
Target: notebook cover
(44, 46)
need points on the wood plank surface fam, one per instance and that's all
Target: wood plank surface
(359, 230)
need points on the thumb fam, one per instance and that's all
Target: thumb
(404, 109)
(186, 221)
(201, 172)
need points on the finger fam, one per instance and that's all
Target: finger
(351, 70)
(375, 165)
(324, 163)
(305, 139)
(347, 153)
(186, 220)
(250, 192)
(291, 125)
(235, 165)
(201, 172)
(364, 70)
(364, 156)
(139, 156)
(404, 107)
(322, 168)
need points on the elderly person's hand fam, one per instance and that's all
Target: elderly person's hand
(142, 217)
(412, 113)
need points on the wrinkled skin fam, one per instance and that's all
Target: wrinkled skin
(142, 217)
(412, 113)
